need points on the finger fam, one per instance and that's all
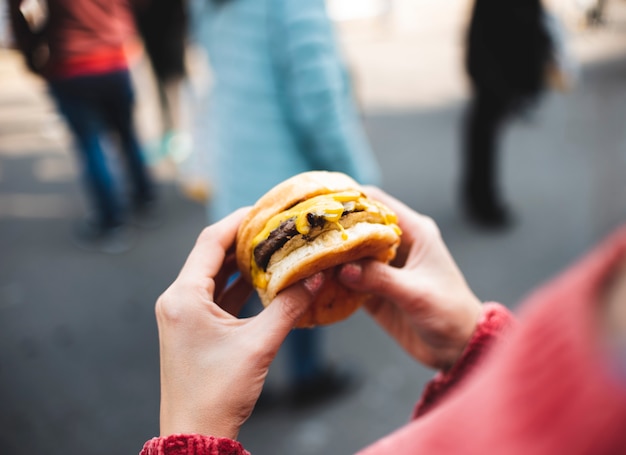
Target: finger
(207, 256)
(277, 320)
(227, 274)
(235, 296)
(377, 278)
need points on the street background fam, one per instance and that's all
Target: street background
(78, 341)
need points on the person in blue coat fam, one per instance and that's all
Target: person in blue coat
(281, 104)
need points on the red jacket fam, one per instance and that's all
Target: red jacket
(82, 36)
(550, 388)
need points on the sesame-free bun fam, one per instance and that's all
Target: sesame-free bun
(361, 235)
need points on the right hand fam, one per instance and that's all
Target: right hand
(421, 299)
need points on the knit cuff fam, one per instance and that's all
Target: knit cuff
(495, 320)
(192, 444)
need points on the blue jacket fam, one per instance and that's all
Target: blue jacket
(281, 101)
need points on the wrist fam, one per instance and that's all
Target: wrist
(189, 422)
(466, 326)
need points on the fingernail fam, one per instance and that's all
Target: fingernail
(351, 272)
(314, 282)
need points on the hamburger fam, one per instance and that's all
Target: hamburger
(312, 222)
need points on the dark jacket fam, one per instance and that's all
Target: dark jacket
(508, 49)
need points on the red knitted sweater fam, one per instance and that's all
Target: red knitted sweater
(549, 388)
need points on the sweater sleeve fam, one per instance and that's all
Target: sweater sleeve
(319, 96)
(192, 444)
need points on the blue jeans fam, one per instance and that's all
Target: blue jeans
(93, 106)
(304, 354)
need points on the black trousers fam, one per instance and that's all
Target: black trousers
(483, 124)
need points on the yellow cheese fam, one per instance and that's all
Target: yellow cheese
(330, 207)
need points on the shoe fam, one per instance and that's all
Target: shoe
(494, 216)
(177, 145)
(92, 236)
(485, 209)
(147, 215)
(117, 240)
(328, 384)
(197, 190)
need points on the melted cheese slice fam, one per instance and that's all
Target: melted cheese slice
(329, 206)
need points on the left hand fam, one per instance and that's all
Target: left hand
(213, 365)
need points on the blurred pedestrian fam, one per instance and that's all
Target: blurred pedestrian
(163, 28)
(77, 46)
(595, 14)
(281, 104)
(507, 57)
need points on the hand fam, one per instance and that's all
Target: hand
(614, 304)
(213, 365)
(421, 299)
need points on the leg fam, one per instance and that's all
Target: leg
(313, 380)
(304, 356)
(481, 197)
(86, 126)
(118, 104)
(169, 91)
(175, 142)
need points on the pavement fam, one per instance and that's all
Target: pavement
(78, 341)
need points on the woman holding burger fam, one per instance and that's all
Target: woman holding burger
(556, 385)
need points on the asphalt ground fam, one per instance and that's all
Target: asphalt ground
(78, 340)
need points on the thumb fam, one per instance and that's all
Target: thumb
(277, 320)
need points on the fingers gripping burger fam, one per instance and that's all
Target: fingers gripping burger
(312, 222)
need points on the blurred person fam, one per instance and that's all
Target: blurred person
(281, 104)
(77, 46)
(551, 382)
(507, 57)
(163, 27)
(595, 14)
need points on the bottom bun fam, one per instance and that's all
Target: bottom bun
(334, 302)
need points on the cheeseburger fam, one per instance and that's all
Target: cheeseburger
(312, 222)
